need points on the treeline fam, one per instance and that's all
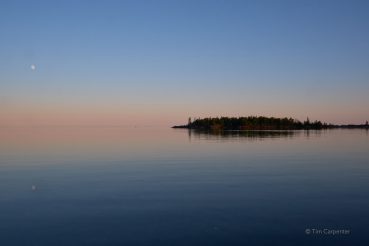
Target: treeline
(253, 123)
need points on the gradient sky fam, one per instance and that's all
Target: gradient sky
(159, 62)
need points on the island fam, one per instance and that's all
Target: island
(261, 123)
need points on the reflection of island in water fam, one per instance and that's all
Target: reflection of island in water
(242, 134)
(260, 123)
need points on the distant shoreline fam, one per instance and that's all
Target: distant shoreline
(262, 123)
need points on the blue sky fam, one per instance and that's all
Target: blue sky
(182, 58)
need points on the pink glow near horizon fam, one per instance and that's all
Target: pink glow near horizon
(164, 114)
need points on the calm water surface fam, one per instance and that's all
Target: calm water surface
(158, 186)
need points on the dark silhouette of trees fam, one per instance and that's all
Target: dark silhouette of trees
(262, 123)
(252, 123)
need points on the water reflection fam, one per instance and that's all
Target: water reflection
(239, 135)
(146, 186)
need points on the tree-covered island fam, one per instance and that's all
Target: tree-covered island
(260, 123)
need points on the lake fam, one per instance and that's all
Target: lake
(162, 186)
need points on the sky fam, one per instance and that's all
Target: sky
(147, 63)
